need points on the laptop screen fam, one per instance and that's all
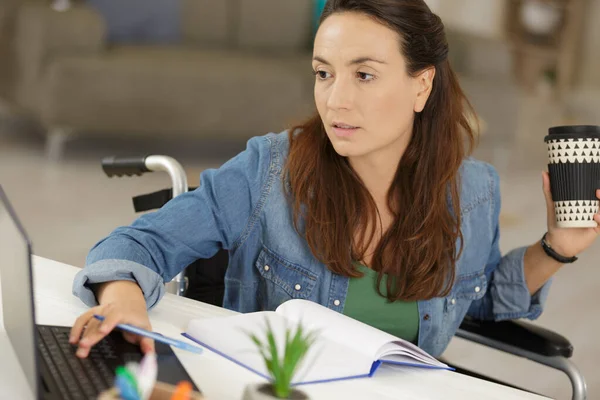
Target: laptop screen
(16, 287)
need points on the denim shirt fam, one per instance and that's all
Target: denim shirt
(242, 208)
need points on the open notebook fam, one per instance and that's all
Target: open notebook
(344, 349)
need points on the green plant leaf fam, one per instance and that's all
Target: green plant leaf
(282, 369)
(275, 365)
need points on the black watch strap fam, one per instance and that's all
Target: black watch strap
(553, 254)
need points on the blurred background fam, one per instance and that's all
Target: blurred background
(195, 79)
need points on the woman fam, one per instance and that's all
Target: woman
(371, 208)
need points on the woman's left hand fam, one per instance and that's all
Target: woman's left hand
(567, 242)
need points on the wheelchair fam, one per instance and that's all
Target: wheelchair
(203, 280)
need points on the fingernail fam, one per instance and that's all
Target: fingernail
(72, 339)
(81, 353)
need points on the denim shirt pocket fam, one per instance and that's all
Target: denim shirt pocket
(466, 289)
(282, 280)
(470, 286)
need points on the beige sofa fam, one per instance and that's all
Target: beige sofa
(242, 69)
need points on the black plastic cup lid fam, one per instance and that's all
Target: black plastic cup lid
(573, 131)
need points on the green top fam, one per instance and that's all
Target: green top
(364, 304)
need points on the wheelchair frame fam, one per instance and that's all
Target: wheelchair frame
(514, 337)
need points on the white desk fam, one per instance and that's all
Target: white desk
(220, 379)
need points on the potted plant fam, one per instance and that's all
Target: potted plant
(281, 367)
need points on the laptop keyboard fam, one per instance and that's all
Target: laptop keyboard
(77, 378)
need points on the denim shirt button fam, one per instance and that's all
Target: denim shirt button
(267, 268)
(453, 301)
(477, 289)
(336, 303)
(426, 317)
(297, 287)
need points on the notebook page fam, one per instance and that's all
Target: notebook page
(404, 347)
(228, 336)
(337, 327)
(352, 333)
(401, 359)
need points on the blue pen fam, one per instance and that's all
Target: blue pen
(156, 336)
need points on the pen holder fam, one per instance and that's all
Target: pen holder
(162, 391)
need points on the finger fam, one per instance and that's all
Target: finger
(91, 336)
(79, 325)
(548, 195)
(147, 345)
(111, 320)
(598, 193)
(547, 186)
(84, 343)
(132, 337)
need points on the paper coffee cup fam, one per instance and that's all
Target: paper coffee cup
(574, 167)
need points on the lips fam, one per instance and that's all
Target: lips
(344, 126)
(343, 129)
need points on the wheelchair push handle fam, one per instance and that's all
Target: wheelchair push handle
(119, 166)
(130, 166)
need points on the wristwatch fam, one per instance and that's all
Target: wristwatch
(554, 255)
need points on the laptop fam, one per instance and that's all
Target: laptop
(44, 353)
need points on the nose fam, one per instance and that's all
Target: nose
(341, 95)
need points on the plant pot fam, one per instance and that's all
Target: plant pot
(264, 391)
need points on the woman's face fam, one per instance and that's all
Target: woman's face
(363, 91)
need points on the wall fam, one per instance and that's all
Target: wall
(475, 30)
(590, 67)
(483, 18)
(7, 8)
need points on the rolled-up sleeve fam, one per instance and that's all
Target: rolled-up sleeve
(107, 270)
(159, 245)
(507, 296)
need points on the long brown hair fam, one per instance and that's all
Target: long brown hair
(418, 253)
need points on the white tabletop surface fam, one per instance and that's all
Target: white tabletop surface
(219, 378)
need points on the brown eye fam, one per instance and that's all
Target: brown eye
(322, 75)
(363, 76)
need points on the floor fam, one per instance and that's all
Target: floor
(67, 207)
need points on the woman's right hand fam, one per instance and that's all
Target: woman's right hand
(121, 302)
